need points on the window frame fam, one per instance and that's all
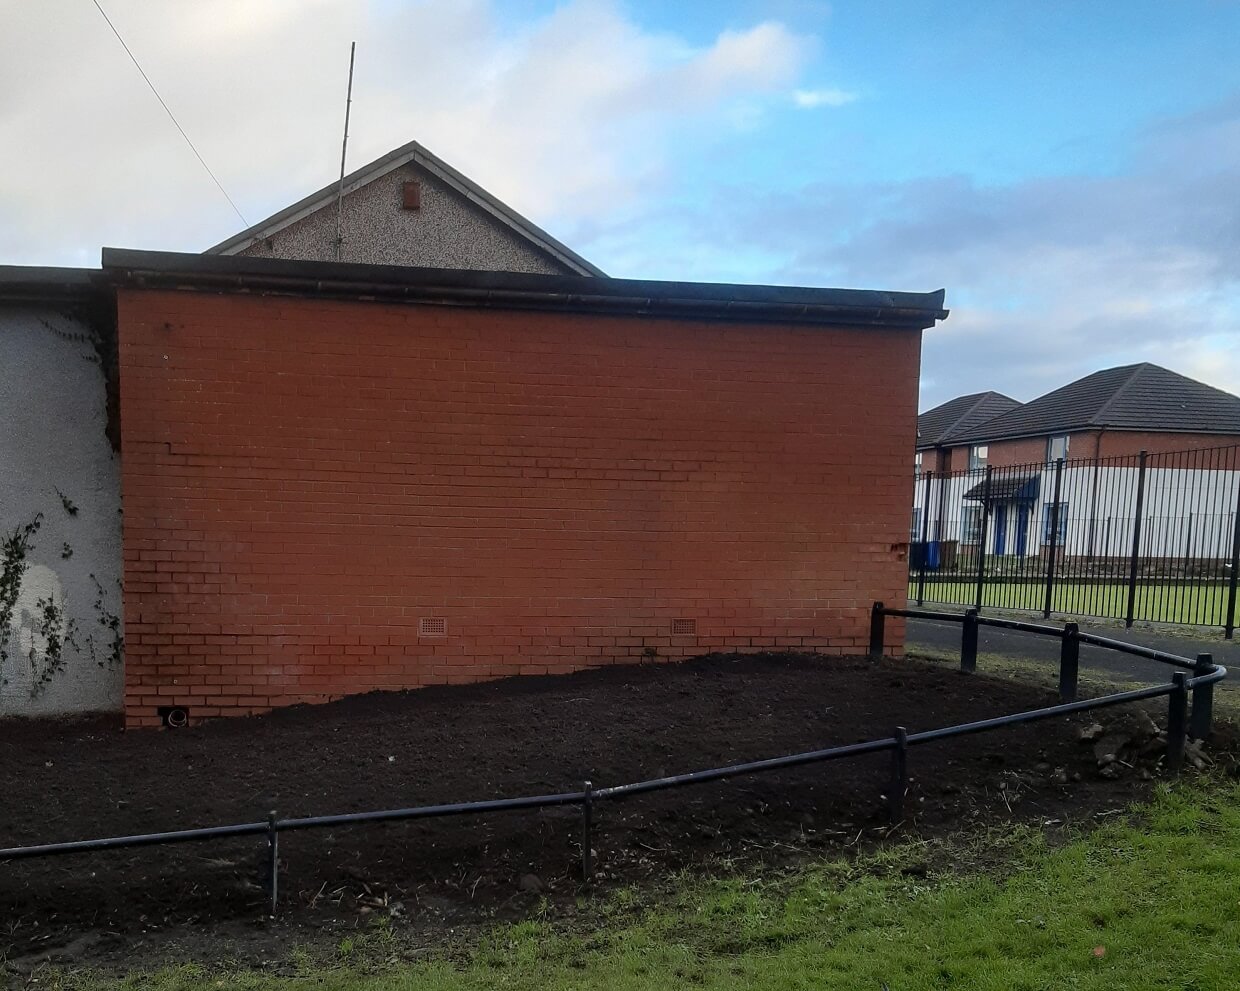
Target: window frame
(1050, 447)
(1062, 536)
(979, 456)
(971, 524)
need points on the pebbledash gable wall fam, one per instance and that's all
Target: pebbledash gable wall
(446, 230)
(325, 497)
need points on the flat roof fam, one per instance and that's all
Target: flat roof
(38, 284)
(519, 290)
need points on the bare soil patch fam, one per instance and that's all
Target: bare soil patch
(506, 738)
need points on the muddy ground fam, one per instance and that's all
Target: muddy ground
(506, 738)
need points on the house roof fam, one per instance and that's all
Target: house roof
(1130, 397)
(411, 153)
(961, 413)
(520, 290)
(35, 284)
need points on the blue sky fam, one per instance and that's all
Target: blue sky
(1070, 172)
(999, 91)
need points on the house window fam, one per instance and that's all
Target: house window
(1057, 448)
(1062, 535)
(979, 455)
(915, 529)
(917, 465)
(971, 525)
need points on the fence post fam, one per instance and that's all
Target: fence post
(1136, 542)
(968, 642)
(1069, 661)
(1229, 621)
(925, 540)
(1177, 722)
(273, 861)
(587, 833)
(878, 631)
(981, 543)
(899, 776)
(1054, 540)
(1203, 699)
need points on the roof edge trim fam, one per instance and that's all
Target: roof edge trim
(516, 290)
(37, 284)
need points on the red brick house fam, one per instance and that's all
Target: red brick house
(339, 478)
(1097, 427)
(936, 426)
(1111, 413)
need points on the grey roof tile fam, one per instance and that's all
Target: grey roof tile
(962, 413)
(1130, 397)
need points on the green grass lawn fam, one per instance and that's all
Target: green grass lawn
(1147, 903)
(1197, 606)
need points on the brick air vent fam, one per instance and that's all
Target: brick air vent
(684, 627)
(432, 627)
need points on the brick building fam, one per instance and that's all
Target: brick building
(1088, 506)
(1111, 413)
(340, 478)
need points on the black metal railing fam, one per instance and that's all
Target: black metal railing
(1147, 537)
(1200, 685)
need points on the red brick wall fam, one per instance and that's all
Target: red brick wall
(1090, 444)
(305, 480)
(1117, 443)
(1033, 450)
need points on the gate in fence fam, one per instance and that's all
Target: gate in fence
(1148, 537)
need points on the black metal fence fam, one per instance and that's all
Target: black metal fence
(1196, 677)
(1149, 537)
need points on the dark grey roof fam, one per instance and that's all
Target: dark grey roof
(962, 413)
(1131, 397)
(411, 153)
(1006, 488)
(520, 290)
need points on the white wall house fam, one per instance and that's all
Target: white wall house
(1186, 513)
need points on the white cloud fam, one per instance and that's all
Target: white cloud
(809, 99)
(1047, 278)
(569, 119)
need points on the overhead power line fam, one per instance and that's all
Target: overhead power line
(171, 115)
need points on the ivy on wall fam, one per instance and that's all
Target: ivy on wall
(50, 630)
(14, 552)
(109, 650)
(43, 636)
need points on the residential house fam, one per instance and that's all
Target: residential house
(408, 208)
(1097, 427)
(960, 414)
(1114, 412)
